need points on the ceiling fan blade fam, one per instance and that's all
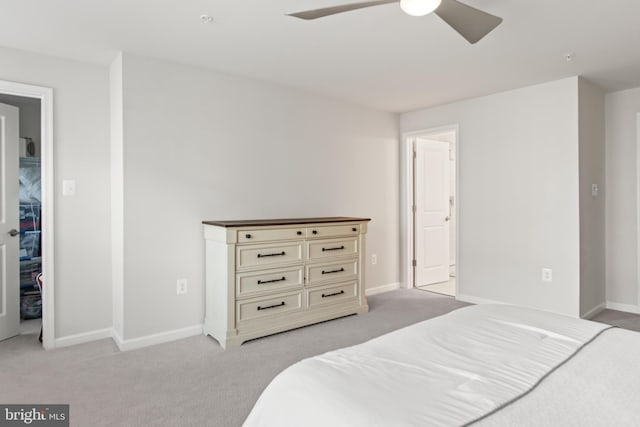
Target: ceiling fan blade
(320, 13)
(469, 22)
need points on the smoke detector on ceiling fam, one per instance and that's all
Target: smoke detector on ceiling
(206, 19)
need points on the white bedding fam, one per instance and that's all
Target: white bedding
(477, 363)
(599, 386)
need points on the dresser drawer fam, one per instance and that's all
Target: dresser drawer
(269, 306)
(334, 248)
(342, 270)
(267, 235)
(332, 294)
(248, 256)
(268, 280)
(333, 231)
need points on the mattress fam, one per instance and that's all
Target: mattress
(484, 365)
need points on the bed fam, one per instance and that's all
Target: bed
(486, 365)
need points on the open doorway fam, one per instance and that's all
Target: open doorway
(28, 178)
(27, 207)
(433, 214)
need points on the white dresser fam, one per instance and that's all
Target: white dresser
(267, 276)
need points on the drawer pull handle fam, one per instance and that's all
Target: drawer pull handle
(333, 249)
(315, 231)
(333, 271)
(262, 282)
(299, 233)
(332, 295)
(354, 229)
(271, 306)
(248, 236)
(266, 255)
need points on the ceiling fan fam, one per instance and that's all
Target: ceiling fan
(469, 22)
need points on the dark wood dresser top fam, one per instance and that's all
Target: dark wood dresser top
(283, 221)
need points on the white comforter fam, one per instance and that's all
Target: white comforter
(476, 363)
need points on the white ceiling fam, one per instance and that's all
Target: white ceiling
(377, 57)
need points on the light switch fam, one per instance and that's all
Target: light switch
(69, 187)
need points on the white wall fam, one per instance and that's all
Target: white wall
(592, 209)
(518, 193)
(81, 147)
(200, 145)
(621, 189)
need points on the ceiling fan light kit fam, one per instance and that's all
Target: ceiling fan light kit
(419, 7)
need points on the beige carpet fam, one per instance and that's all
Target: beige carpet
(191, 382)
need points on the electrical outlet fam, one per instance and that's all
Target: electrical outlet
(181, 286)
(547, 275)
(374, 259)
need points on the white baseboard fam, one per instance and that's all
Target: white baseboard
(381, 289)
(83, 338)
(629, 308)
(475, 300)
(594, 311)
(160, 338)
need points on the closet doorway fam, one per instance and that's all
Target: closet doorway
(433, 213)
(27, 306)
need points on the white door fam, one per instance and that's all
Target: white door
(432, 223)
(9, 240)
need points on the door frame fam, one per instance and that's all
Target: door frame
(407, 243)
(45, 95)
(637, 211)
